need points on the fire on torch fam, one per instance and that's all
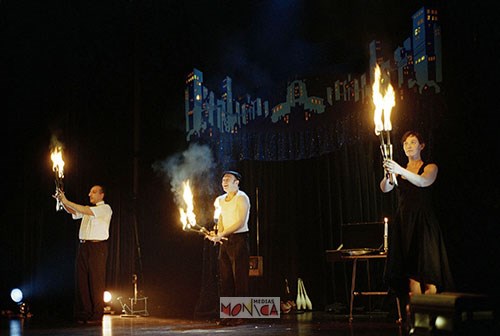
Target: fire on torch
(58, 168)
(187, 215)
(384, 102)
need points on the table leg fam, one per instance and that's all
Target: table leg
(353, 285)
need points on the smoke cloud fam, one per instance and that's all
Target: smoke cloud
(195, 164)
(55, 142)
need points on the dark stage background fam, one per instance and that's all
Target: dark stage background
(108, 82)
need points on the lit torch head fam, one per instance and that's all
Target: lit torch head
(216, 211)
(57, 162)
(384, 102)
(187, 216)
(58, 168)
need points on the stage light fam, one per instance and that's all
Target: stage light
(16, 295)
(23, 308)
(107, 297)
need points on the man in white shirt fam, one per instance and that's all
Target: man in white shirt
(234, 252)
(92, 253)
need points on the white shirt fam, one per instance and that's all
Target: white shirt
(95, 227)
(228, 211)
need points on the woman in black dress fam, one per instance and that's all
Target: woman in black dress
(417, 262)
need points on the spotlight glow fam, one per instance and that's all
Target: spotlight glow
(16, 295)
(107, 297)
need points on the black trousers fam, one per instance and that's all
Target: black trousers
(90, 280)
(234, 255)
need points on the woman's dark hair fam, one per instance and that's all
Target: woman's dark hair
(412, 133)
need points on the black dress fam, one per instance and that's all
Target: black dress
(416, 246)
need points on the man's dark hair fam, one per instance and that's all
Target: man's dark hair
(234, 173)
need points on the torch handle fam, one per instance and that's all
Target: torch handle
(393, 180)
(59, 183)
(59, 206)
(386, 150)
(199, 229)
(59, 186)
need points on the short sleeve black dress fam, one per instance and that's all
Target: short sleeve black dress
(416, 246)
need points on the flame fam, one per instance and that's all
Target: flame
(188, 218)
(57, 162)
(383, 103)
(217, 210)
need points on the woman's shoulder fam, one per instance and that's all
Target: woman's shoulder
(430, 169)
(429, 165)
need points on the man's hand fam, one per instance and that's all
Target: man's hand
(59, 195)
(215, 238)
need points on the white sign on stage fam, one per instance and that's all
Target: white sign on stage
(249, 307)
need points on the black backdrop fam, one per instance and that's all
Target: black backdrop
(301, 203)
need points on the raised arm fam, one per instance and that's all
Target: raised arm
(385, 186)
(72, 207)
(426, 179)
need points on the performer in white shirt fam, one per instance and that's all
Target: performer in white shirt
(234, 252)
(92, 253)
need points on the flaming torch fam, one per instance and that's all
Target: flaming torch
(188, 217)
(384, 102)
(58, 168)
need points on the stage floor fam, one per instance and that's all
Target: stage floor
(307, 323)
